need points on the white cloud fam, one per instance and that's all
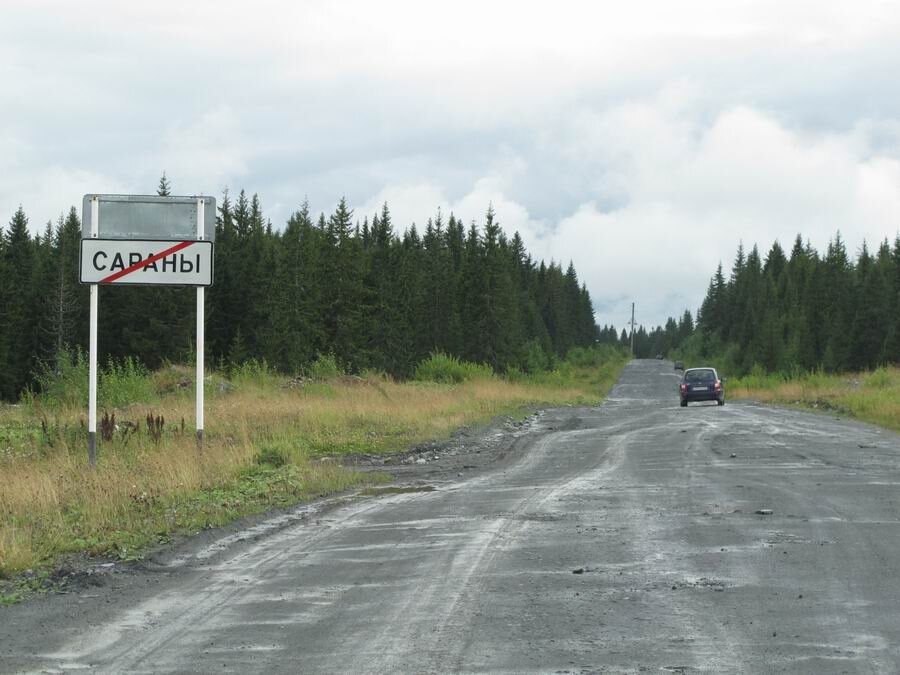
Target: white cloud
(692, 193)
(408, 204)
(642, 140)
(46, 185)
(415, 202)
(206, 153)
(689, 192)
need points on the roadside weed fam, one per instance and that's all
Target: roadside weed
(871, 397)
(264, 444)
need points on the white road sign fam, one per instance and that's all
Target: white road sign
(147, 262)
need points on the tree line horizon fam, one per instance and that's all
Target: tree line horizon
(365, 293)
(376, 298)
(788, 312)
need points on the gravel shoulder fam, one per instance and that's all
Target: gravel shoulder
(85, 590)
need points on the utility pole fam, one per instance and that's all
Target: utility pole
(632, 330)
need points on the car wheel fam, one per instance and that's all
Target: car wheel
(684, 404)
(721, 401)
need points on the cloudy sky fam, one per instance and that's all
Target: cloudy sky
(641, 140)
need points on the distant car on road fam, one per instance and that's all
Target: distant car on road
(701, 384)
(659, 357)
(679, 365)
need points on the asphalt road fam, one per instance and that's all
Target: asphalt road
(634, 536)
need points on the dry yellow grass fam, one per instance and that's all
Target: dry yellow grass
(872, 397)
(52, 502)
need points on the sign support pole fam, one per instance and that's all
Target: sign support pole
(201, 316)
(632, 330)
(92, 349)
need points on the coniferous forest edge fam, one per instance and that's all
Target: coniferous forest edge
(360, 291)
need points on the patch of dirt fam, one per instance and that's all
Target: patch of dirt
(823, 404)
(72, 574)
(468, 450)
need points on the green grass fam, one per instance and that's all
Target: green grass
(265, 437)
(870, 396)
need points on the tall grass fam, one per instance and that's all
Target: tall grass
(265, 442)
(870, 396)
(63, 382)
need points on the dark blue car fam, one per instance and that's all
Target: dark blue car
(701, 384)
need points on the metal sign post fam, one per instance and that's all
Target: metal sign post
(92, 348)
(146, 240)
(632, 329)
(201, 315)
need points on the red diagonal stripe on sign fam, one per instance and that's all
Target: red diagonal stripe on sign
(143, 263)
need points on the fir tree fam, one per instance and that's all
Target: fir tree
(21, 349)
(163, 188)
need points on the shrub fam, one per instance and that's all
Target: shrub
(535, 359)
(440, 367)
(325, 367)
(593, 357)
(124, 382)
(64, 382)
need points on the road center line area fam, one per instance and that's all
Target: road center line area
(636, 535)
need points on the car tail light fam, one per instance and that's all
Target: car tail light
(683, 387)
(718, 385)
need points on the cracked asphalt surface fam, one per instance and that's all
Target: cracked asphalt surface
(636, 536)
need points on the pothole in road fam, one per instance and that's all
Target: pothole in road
(703, 582)
(779, 537)
(541, 517)
(533, 517)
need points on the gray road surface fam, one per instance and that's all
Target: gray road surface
(614, 539)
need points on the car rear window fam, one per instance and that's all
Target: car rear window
(699, 376)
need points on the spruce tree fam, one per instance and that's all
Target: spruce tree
(838, 278)
(891, 352)
(870, 325)
(223, 296)
(439, 304)
(18, 313)
(344, 319)
(498, 325)
(163, 189)
(295, 312)
(384, 318)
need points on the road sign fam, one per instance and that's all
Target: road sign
(146, 240)
(146, 262)
(149, 217)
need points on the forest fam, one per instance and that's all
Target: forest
(798, 312)
(366, 293)
(375, 297)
